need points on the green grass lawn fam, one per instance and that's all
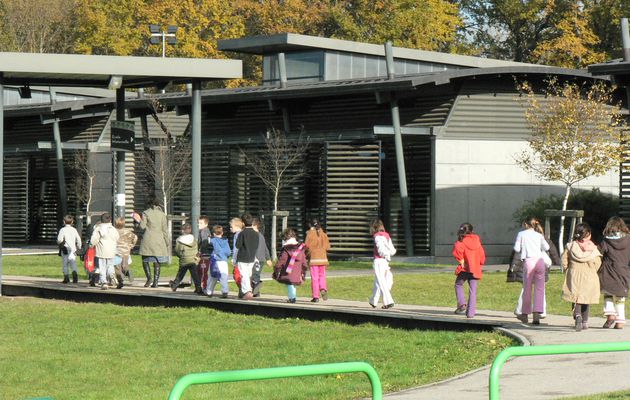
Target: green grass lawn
(49, 266)
(100, 351)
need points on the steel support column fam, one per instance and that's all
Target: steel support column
(195, 125)
(400, 154)
(120, 157)
(61, 177)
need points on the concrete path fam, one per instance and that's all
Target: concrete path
(533, 377)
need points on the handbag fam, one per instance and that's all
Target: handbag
(90, 253)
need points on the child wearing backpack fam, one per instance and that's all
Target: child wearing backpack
(291, 266)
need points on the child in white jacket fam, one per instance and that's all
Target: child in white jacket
(105, 239)
(69, 241)
(383, 279)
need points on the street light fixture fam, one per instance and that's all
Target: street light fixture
(158, 35)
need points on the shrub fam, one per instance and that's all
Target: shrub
(597, 206)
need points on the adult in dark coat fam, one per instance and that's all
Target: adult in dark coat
(614, 274)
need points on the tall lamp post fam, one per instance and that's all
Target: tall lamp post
(158, 35)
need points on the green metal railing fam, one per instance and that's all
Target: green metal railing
(503, 356)
(279, 372)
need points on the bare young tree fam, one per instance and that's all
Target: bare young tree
(82, 181)
(279, 164)
(575, 134)
(166, 161)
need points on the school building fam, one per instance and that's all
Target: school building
(458, 118)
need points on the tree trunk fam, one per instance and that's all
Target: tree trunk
(169, 231)
(274, 225)
(88, 217)
(564, 208)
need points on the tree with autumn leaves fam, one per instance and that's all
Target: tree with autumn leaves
(575, 133)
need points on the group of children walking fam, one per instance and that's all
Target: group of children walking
(589, 271)
(206, 257)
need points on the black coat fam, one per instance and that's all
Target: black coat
(614, 274)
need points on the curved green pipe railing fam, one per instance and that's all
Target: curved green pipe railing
(503, 356)
(279, 372)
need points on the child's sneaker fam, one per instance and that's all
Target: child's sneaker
(224, 295)
(291, 301)
(460, 310)
(324, 294)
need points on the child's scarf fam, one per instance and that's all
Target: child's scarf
(294, 255)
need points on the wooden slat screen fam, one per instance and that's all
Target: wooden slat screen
(352, 195)
(15, 200)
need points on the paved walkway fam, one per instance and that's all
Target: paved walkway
(533, 377)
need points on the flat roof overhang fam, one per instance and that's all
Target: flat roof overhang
(96, 71)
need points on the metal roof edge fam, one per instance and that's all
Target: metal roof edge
(448, 76)
(96, 65)
(293, 41)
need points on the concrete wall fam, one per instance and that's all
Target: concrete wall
(478, 181)
(476, 177)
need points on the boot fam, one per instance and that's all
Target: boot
(66, 278)
(147, 272)
(119, 280)
(156, 275)
(75, 277)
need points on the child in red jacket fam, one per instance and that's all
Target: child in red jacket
(470, 257)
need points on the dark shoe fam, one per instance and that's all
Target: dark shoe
(460, 310)
(373, 306)
(289, 301)
(75, 277)
(324, 294)
(610, 321)
(224, 295)
(66, 279)
(522, 317)
(315, 300)
(536, 319)
(120, 284)
(618, 326)
(388, 306)
(173, 285)
(199, 292)
(578, 323)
